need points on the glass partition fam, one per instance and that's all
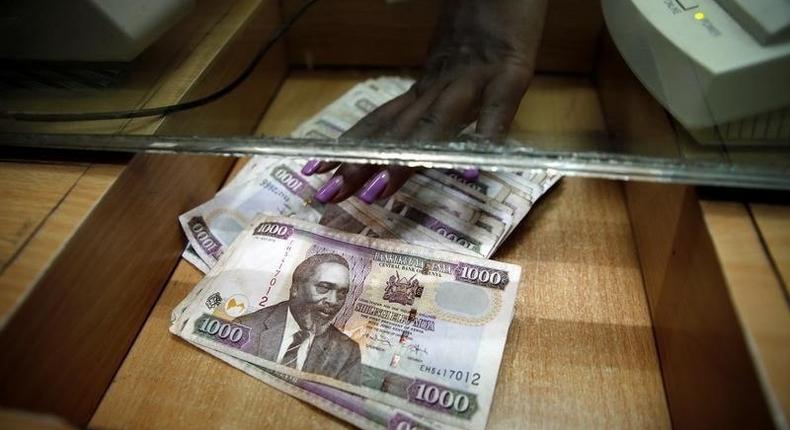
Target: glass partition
(586, 112)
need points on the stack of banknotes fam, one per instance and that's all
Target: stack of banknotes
(387, 315)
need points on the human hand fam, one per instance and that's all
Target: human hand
(479, 67)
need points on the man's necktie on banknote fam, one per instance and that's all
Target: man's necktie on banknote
(396, 338)
(292, 353)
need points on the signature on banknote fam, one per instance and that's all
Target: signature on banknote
(417, 349)
(378, 338)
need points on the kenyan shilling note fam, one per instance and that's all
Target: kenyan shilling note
(490, 215)
(280, 190)
(448, 226)
(363, 413)
(418, 329)
(192, 258)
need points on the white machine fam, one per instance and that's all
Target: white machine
(720, 67)
(84, 30)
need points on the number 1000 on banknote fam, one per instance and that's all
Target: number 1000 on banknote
(418, 329)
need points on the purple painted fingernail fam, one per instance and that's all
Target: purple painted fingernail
(329, 189)
(373, 188)
(471, 174)
(310, 167)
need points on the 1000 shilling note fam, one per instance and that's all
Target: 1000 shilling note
(486, 187)
(191, 256)
(364, 413)
(491, 216)
(273, 184)
(407, 230)
(280, 189)
(448, 226)
(414, 328)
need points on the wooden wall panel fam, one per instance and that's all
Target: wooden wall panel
(708, 368)
(40, 248)
(380, 33)
(637, 122)
(30, 192)
(773, 222)
(754, 283)
(66, 340)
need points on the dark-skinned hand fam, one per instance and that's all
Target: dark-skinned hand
(478, 69)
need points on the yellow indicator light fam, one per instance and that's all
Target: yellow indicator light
(699, 16)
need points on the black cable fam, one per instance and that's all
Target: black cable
(168, 109)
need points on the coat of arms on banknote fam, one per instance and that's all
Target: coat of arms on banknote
(402, 290)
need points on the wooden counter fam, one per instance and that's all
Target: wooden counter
(642, 305)
(580, 352)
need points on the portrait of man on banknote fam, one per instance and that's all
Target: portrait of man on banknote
(298, 332)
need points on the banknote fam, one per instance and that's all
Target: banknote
(354, 216)
(515, 183)
(491, 216)
(251, 191)
(390, 85)
(191, 256)
(376, 318)
(253, 166)
(545, 177)
(347, 217)
(362, 412)
(485, 188)
(517, 197)
(407, 230)
(277, 188)
(251, 186)
(280, 189)
(344, 112)
(517, 192)
(479, 240)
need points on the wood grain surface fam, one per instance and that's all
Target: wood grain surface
(773, 223)
(378, 33)
(304, 94)
(30, 193)
(759, 299)
(712, 376)
(556, 105)
(637, 122)
(708, 370)
(66, 339)
(52, 233)
(15, 419)
(580, 352)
